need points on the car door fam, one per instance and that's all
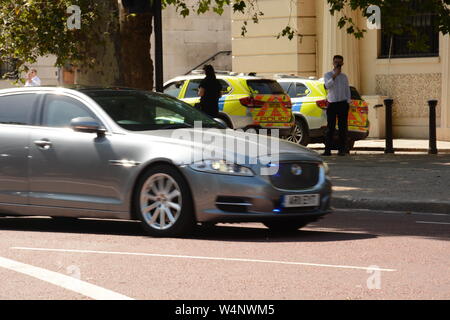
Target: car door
(68, 168)
(191, 94)
(174, 89)
(16, 116)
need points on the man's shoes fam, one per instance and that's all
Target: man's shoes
(327, 153)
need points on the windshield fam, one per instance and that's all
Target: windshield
(141, 111)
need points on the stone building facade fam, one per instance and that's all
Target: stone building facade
(410, 81)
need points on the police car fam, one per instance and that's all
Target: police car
(309, 103)
(247, 102)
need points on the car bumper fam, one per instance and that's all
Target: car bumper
(357, 135)
(226, 198)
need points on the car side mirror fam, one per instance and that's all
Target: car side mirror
(88, 125)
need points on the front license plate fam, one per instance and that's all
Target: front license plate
(304, 200)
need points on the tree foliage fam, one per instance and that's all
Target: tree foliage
(397, 17)
(33, 28)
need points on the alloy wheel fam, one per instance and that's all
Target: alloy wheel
(297, 135)
(160, 201)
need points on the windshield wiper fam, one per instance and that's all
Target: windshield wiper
(213, 125)
(176, 126)
(12, 122)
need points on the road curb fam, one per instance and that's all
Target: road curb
(391, 205)
(379, 149)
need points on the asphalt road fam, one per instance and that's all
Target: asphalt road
(348, 255)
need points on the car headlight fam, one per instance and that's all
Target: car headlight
(222, 167)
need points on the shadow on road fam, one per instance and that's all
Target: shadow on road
(241, 233)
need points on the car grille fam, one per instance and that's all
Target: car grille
(307, 176)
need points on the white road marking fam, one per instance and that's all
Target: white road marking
(61, 280)
(206, 258)
(431, 222)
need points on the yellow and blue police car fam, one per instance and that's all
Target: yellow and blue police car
(247, 102)
(309, 103)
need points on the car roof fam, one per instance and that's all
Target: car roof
(298, 79)
(218, 76)
(67, 88)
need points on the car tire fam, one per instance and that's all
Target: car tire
(286, 226)
(350, 144)
(300, 132)
(226, 120)
(163, 202)
(64, 219)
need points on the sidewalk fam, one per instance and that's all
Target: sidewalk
(400, 145)
(409, 180)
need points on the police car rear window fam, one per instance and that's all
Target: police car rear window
(265, 86)
(355, 94)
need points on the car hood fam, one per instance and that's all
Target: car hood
(228, 143)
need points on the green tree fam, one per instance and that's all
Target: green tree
(113, 47)
(397, 17)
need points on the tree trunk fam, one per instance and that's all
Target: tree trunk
(136, 65)
(102, 68)
(120, 51)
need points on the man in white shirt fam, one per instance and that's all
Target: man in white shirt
(339, 98)
(32, 79)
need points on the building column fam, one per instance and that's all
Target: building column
(444, 130)
(338, 41)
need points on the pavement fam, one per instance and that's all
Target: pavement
(410, 180)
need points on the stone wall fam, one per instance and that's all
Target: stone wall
(411, 93)
(189, 41)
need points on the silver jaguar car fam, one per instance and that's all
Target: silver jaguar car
(120, 153)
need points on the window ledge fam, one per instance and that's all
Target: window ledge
(430, 60)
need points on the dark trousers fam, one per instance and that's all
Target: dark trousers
(339, 110)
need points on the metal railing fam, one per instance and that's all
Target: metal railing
(227, 52)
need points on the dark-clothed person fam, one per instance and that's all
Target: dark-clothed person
(209, 91)
(339, 97)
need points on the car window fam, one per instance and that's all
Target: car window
(285, 86)
(225, 87)
(264, 86)
(192, 89)
(17, 108)
(141, 110)
(174, 88)
(60, 110)
(301, 90)
(355, 94)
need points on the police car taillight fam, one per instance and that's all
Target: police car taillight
(322, 104)
(250, 102)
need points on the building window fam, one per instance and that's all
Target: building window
(425, 23)
(8, 69)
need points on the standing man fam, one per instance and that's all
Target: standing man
(209, 91)
(339, 98)
(32, 79)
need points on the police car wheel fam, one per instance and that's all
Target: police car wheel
(300, 133)
(350, 144)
